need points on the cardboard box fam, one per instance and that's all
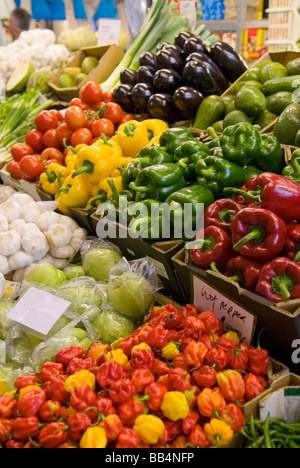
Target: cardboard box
(109, 58)
(160, 253)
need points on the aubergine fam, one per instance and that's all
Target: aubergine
(194, 44)
(122, 96)
(216, 72)
(145, 74)
(228, 60)
(160, 106)
(171, 47)
(187, 100)
(128, 76)
(167, 59)
(141, 94)
(198, 76)
(182, 37)
(147, 59)
(166, 80)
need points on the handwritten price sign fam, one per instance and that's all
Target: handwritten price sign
(208, 298)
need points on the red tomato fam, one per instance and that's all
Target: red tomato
(14, 169)
(57, 114)
(63, 132)
(91, 118)
(75, 118)
(20, 150)
(79, 103)
(91, 93)
(50, 139)
(111, 111)
(81, 136)
(52, 153)
(34, 138)
(126, 118)
(45, 121)
(107, 96)
(31, 167)
(103, 126)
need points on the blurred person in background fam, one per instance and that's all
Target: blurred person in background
(19, 21)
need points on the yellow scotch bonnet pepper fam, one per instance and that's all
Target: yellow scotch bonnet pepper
(93, 438)
(149, 428)
(175, 406)
(170, 351)
(219, 433)
(80, 379)
(118, 356)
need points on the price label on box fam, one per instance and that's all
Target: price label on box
(109, 31)
(208, 298)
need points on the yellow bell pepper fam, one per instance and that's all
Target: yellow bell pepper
(74, 192)
(219, 433)
(154, 142)
(79, 379)
(170, 351)
(132, 137)
(53, 178)
(117, 150)
(155, 127)
(93, 438)
(27, 389)
(71, 158)
(118, 356)
(149, 428)
(175, 406)
(102, 191)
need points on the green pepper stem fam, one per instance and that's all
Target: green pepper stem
(63, 190)
(208, 173)
(51, 175)
(284, 290)
(295, 165)
(113, 188)
(70, 148)
(253, 195)
(213, 133)
(88, 167)
(139, 188)
(214, 268)
(59, 178)
(102, 197)
(255, 235)
(184, 162)
(226, 216)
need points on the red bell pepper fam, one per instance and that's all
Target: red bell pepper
(211, 402)
(237, 359)
(194, 354)
(210, 321)
(53, 435)
(112, 426)
(233, 416)
(221, 213)
(23, 428)
(105, 405)
(108, 373)
(154, 394)
(78, 424)
(189, 423)
(292, 244)
(258, 233)
(55, 389)
(128, 439)
(50, 411)
(31, 402)
(205, 377)
(231, 384)
(66, 355)
(216, 248)
(179, 380)
(82, 398)
(245, 271)
(8, 406)
(121, 391)
(259, 361)
(141, 378)
(279, 280)
(216, 358)
(158, 337)
(129, 411)
(142, 358)
(50, 369)
(5, 429)
(197, 438)
(253, 386)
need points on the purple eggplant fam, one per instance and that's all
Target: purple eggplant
(147, 59)
(198, 76)
(128, 76)
(167, 59)
(194, 45)
(145, 74)
(182, 37)
(172, 47)
(141, 94)
(122, 96)
(187, 100)
(228, 60)
(166, 80)
(160, 106)
(215, 71)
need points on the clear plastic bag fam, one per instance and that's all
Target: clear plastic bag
(98, 258)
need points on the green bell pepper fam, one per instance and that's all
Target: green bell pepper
(215, 174)
(173, 137)
(271, 157)
(158, 181)
(292, 170)
(129, 173)
(188, 148)
(241, 143)
(147, 220)
(188, 165)
(151, 155)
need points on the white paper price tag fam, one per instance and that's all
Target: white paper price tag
(189, 11)
(208, 298)
(38, 310)
(109, 32)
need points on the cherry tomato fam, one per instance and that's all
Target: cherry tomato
(81, 136)
(45, 121)
(111, 111)
(52, 153)
(75, 118)
(31, 167)
(63, 132)
(103, 126)
(14, 169)
(126, 118)
(57, 114)
(107, 96)
(50, 139)
(91, 118)
(79, 103)
(91, 93)
(34, 138)
(20, 150)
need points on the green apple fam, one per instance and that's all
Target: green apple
(88, 64)
(44, 273)
(72, 71)
(75, 332)
(98, 263)
(86, 343)
(131, 294)
(74, 272)
(112, 326)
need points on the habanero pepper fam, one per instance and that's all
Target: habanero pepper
(210, 402)
(142, 358)
(141, 378)
(5, 429)
(221, 213)
(179, 380)
(50, 411)
(108, 373)
(206, 377)
(259, 361)
(194, 354)
(158, 337)
(105, 405)
(279, 280)
(216, 358)
(121, 391)
(253, 386)
(193, 327)
(231, 384)
(225, 343)
(258, 233)
(211, 323)
(197, 438)
(189, 423)
(93, 438)
(191, 396)
(53, 435)
(237, 359)
(219, 433)
(8, 406)
(66, 355)
(78, 423)
(82, 398)
(179, 361)
(175, 405)
(154, 394)
(189, 310)
(24, 428)
(26, 381)
(50, 369)
(128, 439)
(129, 411)
(233, 416)
(31, 403)
(113, 426)
(55, 389)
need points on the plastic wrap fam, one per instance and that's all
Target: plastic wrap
(98, 258)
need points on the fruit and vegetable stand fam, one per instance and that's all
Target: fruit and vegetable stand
(119, 328)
